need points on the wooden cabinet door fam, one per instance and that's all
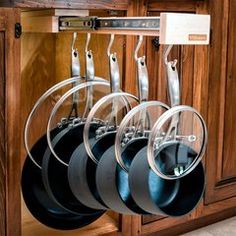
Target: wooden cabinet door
(10, 217)
(221, 155)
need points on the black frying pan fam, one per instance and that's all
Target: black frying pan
(54, 173)
(112, 180)
(37, 200)
(82, 170)
(170, 197)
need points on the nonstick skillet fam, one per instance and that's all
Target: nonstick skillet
(57, 156)
(37, 200)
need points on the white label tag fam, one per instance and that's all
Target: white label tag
(178, 28)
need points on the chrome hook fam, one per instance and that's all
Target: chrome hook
(140, 41)
(87, 41)
(166, 53)
(110, 45)
(73, 41)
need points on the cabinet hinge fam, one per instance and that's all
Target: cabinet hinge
(18, 30)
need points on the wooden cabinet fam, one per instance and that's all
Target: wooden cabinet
(10, 214)
(207, 82)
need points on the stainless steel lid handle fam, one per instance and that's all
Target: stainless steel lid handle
(75, 72)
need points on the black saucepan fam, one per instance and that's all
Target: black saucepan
(160, 196)
(82, 170)
(37, 200)
(112, 180)
(54, 172)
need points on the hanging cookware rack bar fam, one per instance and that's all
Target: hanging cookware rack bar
(172, 28)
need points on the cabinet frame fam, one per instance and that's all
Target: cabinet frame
(219, 201)
(11, 130)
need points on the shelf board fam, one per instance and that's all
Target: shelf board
(46, 21)
(104, 225)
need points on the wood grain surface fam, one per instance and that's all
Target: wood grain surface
(105, 225)
(10, 213)
(82, 4)
(173, 5)
(220, 161)
(2, 137)
(229, 149)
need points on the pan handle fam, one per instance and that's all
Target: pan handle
(142, 81)
(90, 74)
(142, 73)
(114, 78)
(173, 89)
(75, 71)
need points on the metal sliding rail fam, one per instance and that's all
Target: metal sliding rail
(149, 26)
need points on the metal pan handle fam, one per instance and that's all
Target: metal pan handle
(75, 67)
(89, 74)
(173, 90)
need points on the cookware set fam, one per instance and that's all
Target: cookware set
(104, 148)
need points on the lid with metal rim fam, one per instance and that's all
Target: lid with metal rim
(109, 115)
(177, 145)
(45, 102)
(137, 124)
(63, 106)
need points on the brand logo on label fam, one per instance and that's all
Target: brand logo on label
(197, 37)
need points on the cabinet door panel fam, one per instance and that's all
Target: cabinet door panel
(229, 150)
(221, 161)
